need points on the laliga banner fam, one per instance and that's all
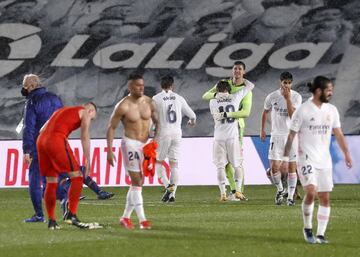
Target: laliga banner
(195, 167)
(84, 51)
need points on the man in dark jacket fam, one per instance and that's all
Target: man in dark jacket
(39, 106)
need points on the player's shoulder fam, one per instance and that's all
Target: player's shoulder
(331, 107)
(273, 94)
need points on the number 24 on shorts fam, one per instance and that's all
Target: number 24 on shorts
(133, 155)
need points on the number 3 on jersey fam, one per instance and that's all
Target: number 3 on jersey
(228, 108)
(170, 114)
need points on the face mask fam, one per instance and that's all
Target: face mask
(24, 92)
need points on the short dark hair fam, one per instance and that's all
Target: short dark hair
(167, 81)
(93, 104)
(318, 82)
(135, 76)
(286, 76)
(240, 63)
(223, 86)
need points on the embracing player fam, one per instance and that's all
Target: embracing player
(237, 82)
(226, 148)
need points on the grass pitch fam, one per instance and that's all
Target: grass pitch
(196, 225)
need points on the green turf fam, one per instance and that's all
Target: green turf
(196, 225)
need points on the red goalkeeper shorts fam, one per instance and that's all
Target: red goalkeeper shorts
(55, 155)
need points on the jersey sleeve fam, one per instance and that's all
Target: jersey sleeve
(336, 122)
(210, 94)
(296, 120)
(245, 108)
(185, 109)
(267, 103)
(297, 102)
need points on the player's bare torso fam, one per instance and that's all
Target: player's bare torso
(136, 117)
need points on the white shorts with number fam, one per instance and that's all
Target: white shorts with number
(168, 146)
(277, 146)
(133, 154)
(321, 178)
(227, 151)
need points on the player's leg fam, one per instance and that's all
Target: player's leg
(50, 200)
(162, 152)
(230, 172)
(275, 154)
(325, 186)
(307, 208)
(133, 158)
(220, 160)
(101, 195)
(234, 155)
(291, 181)
(35, 192)
(308, 178)
(174, 154)
(323, 216)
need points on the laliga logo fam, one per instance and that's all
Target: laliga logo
(25, 45)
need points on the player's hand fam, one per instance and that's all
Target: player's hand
(262, 135)
(222, 96)
(27, 159)
(111, 158)
(219, 116)
(285, 91)
(191, 123)
(348, 160)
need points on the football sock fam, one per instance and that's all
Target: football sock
(92, 184)
(174, 177)
(221, 180)
(229, 170)
(50, 199)
(322, 219)
(277, 181)
(307, 211)
(129, 206)
(292, 180)
(239, 177)
(161, 172)
(137, 199)
(74, 193)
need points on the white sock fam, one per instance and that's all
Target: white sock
(277, 181)
(323, 216)
(239, 178)
(174, 177)
(292, 180)
(129, 206)
(161, 172)
(221, 180)
(307, 211)
(136, 195)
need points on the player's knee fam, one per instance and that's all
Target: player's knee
(173, 163)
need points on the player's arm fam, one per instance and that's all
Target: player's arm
(154, 118)
(29, 144)
(340, 138)
(210, 94)
(116, 116)
(263, 125)
(288, 144)
(246, 104)
(85, 138)
(186, 109)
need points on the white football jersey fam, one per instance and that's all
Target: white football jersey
(170, 108)
(314, 126)
(276, 103)
(229, 127)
